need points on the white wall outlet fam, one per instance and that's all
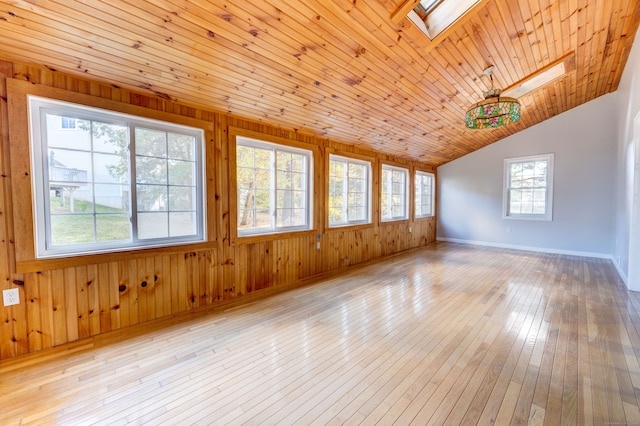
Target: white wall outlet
(508, 229)
(11, 297)
(409, 229)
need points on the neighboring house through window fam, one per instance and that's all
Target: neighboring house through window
(67, 123)
(114, 181)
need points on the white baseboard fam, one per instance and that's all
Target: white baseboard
(527, 248)
(623, 276)
(621, 273)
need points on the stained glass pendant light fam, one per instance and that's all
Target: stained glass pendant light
(494, 111)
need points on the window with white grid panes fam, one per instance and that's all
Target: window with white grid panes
(106, 181)
(349, 191)
(394, 199)
(273, 187)
(528, 187)
(423, 194)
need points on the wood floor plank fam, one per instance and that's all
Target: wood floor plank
(445, 334)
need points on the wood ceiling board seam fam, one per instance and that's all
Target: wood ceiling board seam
(581, 57)
(412, 89)
(614, 52)
(403, 9)
(630, 35)
(69, 51)
(469, 49)
(557, 26)
(516, 35)
(565, 16)
(206, 106)
(512, 10)
(473, 12)
(503, 47)
(548, 29)
(464, 91)
(250, 102)
(531, 31)
(348, 52)
(602, 27)
(129, 57)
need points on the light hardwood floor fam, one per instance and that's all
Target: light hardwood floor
(448, 334)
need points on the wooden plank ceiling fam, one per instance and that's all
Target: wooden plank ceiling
(338, 68)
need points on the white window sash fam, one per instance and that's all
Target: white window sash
(345, 191)
(548, 188)
(39, 108)
(307, 185)
(389, 196)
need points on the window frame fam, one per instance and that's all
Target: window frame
(368, 163)
(432, 176)
(238, 237)
(407, 195)
(21, 180)
(39, 107)
(548, 214)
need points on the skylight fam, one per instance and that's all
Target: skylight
(536, 81)
(432, 17)
(425, 7)
(542, 77)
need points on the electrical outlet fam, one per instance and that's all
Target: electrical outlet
(409, 229)
(11, 297)
(508, 229)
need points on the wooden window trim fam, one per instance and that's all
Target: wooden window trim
(373, 195)
(413, 184)
(409, 195)
(21, 186)
(314, 193)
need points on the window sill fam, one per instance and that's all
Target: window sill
(424, 218)
(238, 240)
(393, 221)
(342, 228)
(539, 218)
(39, 265)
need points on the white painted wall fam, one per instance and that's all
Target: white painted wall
(584, 208)
(626, 252)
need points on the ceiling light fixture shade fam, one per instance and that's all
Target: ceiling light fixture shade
(494, 111)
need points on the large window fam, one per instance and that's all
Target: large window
(424, 194)
(394, 200)
(112, 181)
(349, 191)
(273, 184)
(528, 187)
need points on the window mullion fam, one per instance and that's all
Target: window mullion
(133, 183)
(345, 191)
(93, 185)
(274, 189)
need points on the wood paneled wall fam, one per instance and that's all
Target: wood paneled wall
(68, 300)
